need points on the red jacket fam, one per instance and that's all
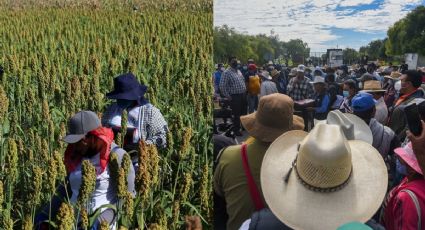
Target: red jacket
(400, 212)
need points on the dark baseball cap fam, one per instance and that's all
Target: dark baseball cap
(80, 124)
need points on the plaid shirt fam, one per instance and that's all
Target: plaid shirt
(147, 119)
(232, 82)
(301, 90)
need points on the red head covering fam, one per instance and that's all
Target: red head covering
(252, 67)
(72, 160)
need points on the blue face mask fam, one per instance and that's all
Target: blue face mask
(345, 93)
(124, 104)
(401, 168)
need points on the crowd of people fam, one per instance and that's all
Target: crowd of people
(91, 138)
(328, 148)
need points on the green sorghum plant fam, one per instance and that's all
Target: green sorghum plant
(88, 183)
(65, 217)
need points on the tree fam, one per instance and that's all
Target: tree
(408, 34)
(350, 56)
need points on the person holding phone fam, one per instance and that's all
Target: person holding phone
(411, 81)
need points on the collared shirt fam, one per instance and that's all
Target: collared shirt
(346, 106)
(300, 90)
(404, 97)
(148, 121)
(232, 82)
(268, 87)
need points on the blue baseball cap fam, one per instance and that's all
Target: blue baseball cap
(362, 102)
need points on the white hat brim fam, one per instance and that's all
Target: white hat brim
(362, 131)
(301, 208)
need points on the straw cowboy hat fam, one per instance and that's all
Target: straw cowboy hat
(372, 87)
(274, 72)
(273, 117)
(321, 180)
(293, 72)
(394, 75)
(353, 127)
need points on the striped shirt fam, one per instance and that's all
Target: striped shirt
(148, 121)
(300, 90)
(232, 82)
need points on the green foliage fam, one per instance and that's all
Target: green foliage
(262, 48)
(408, 34)
(63, 59)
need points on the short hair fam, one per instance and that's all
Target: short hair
(330, 77)
(350, 83)
(415, 77)
(317, 73)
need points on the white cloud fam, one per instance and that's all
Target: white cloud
(309, 20)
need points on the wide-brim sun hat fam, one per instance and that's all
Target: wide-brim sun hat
(273, 117)
(127, 87)
(406, 153)
(353, 127)
(333, 181)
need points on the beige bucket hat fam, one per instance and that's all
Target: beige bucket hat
(353, 127)
(320, 180)
(273, 118)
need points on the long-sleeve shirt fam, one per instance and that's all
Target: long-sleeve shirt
(232, 82)
(268, 87)
(147, 120)
(324, 104)
(300, 90)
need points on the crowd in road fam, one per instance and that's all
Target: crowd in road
(328, 147)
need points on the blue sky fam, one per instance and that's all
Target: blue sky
(322, 24)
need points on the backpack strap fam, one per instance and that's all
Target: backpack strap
(253, 190)
(416, 202)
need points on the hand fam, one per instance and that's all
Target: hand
(418, 142)
(193, 223)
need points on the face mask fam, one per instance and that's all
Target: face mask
(401, 168)
(245, 67)
(397, 85)
(124, 104)
(361, 85)
(222, 69)
(234, 64)
(345, 93)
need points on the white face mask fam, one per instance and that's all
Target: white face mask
(397, 86)
(222, 69)
(361, 85)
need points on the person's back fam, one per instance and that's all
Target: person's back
(267, 88)
(231, 182)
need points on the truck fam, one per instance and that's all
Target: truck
(334, 57)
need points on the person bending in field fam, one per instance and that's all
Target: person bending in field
(145, 121)
(88, 140)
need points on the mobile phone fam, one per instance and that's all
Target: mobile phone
(413, 119)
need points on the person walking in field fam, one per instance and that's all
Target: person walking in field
(145, 121)
(88, 140)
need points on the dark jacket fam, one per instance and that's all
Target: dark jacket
(397, 120)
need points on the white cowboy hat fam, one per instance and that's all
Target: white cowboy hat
(353, 127)
(320, 180)
(318, 79)
(266, 75)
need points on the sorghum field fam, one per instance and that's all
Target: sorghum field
(59, 58)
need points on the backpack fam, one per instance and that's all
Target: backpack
(254, 85)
